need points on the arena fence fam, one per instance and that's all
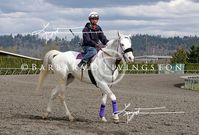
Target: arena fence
(17, 66)
(191, 82)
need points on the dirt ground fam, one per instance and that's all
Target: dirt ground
(21, 111)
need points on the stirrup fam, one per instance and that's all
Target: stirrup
(82, 65)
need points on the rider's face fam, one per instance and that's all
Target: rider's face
(94, 21)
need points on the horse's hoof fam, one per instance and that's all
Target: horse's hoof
(71, 118)
(45, 115)
(104, 119)
(116, 118)
(116, 121)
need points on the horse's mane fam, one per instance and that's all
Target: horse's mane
(111, 44)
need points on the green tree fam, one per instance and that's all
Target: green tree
(194, 54)
(180, 56)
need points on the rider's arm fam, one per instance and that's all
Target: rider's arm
(87, 39)
(102, 37)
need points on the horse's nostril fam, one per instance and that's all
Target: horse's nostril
(130, 58)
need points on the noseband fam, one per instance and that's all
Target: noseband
(124, 51)
(128, 50)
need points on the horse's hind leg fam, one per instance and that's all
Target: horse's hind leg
(62, 98)
(70, 79)
(54, 94)
(59, 91)
(68, 114)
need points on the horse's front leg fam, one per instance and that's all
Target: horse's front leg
(104, 87)
(102, 108)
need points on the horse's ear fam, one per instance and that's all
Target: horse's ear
(119, 34)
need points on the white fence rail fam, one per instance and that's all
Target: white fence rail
(191, 82)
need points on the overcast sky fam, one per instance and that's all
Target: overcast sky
(155, 17)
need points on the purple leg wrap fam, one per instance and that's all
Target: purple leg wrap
(102, 111)
(115, 108)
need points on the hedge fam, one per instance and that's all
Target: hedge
(192, 68)
(12, 65)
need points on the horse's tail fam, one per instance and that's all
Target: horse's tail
(44, 72)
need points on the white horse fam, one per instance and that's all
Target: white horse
(64, 66)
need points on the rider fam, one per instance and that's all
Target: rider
(92, 36)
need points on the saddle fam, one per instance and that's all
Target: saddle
(81, 55)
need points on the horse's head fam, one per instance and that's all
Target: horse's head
(125, 47)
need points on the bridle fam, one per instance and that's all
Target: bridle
(117, 60)
(123, 51)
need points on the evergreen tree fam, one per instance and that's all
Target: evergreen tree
(194, 54)
(180, 56)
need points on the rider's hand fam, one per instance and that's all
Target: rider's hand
(97, 45)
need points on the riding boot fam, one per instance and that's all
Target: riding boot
(82, 64)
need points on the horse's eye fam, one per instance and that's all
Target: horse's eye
(122, 44)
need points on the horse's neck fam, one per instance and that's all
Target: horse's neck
(112, 45)
(111, 49)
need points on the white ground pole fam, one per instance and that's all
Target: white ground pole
(130, 115)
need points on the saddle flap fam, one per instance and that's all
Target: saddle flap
(80, 55)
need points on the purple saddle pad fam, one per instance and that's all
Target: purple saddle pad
(80, 55)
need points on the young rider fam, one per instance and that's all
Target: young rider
(92, 36)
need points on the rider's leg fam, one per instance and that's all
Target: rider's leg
(89, 52)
